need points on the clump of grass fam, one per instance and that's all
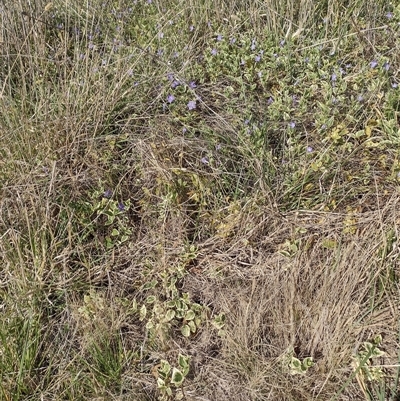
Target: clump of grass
(197, 204)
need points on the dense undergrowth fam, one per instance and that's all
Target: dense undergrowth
(199, 200)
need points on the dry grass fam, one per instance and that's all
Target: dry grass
(319, 302)
(297, 249)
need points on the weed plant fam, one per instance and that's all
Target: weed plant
(199, 200)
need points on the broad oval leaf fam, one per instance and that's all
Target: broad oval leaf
(190, 315)
(169, 315)
(185, 330)
(151, 299)
(192, 326)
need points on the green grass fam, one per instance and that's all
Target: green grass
(199, 200)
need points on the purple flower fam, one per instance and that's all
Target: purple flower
(253, 45)
(170, 98)
(309, 149)
(270, 100)
(232, 41)
(107, 194)
(184, 129)
(192, 85)
(219, 38)
(259, 73)
(333, 77)
(191, 28)
(386, 66)
(389, 15)
(257, 58)
(161, 35)
(175, 84)
(373, 63)
(246, 122)
(204, 160)
(218, 146)
(170, 76)
(121, 207)
(191, 105)
(360, 98)
(214, 52)
(282, 43)
(292, 124)
(394, 85)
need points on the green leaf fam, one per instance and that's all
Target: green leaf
(177, 377)
(171, 304)
(150, 284)
(110, 220)
(377, 339)
(172, 282)
(169, 315)
(185, 330)
(219, 321)
(190, 315)
(183, 306)
(183, 362)
(151, 299)
(308, 362)
(295, 363)
(164, 368)
(192, 326)
(196, 307)
(142, 312)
